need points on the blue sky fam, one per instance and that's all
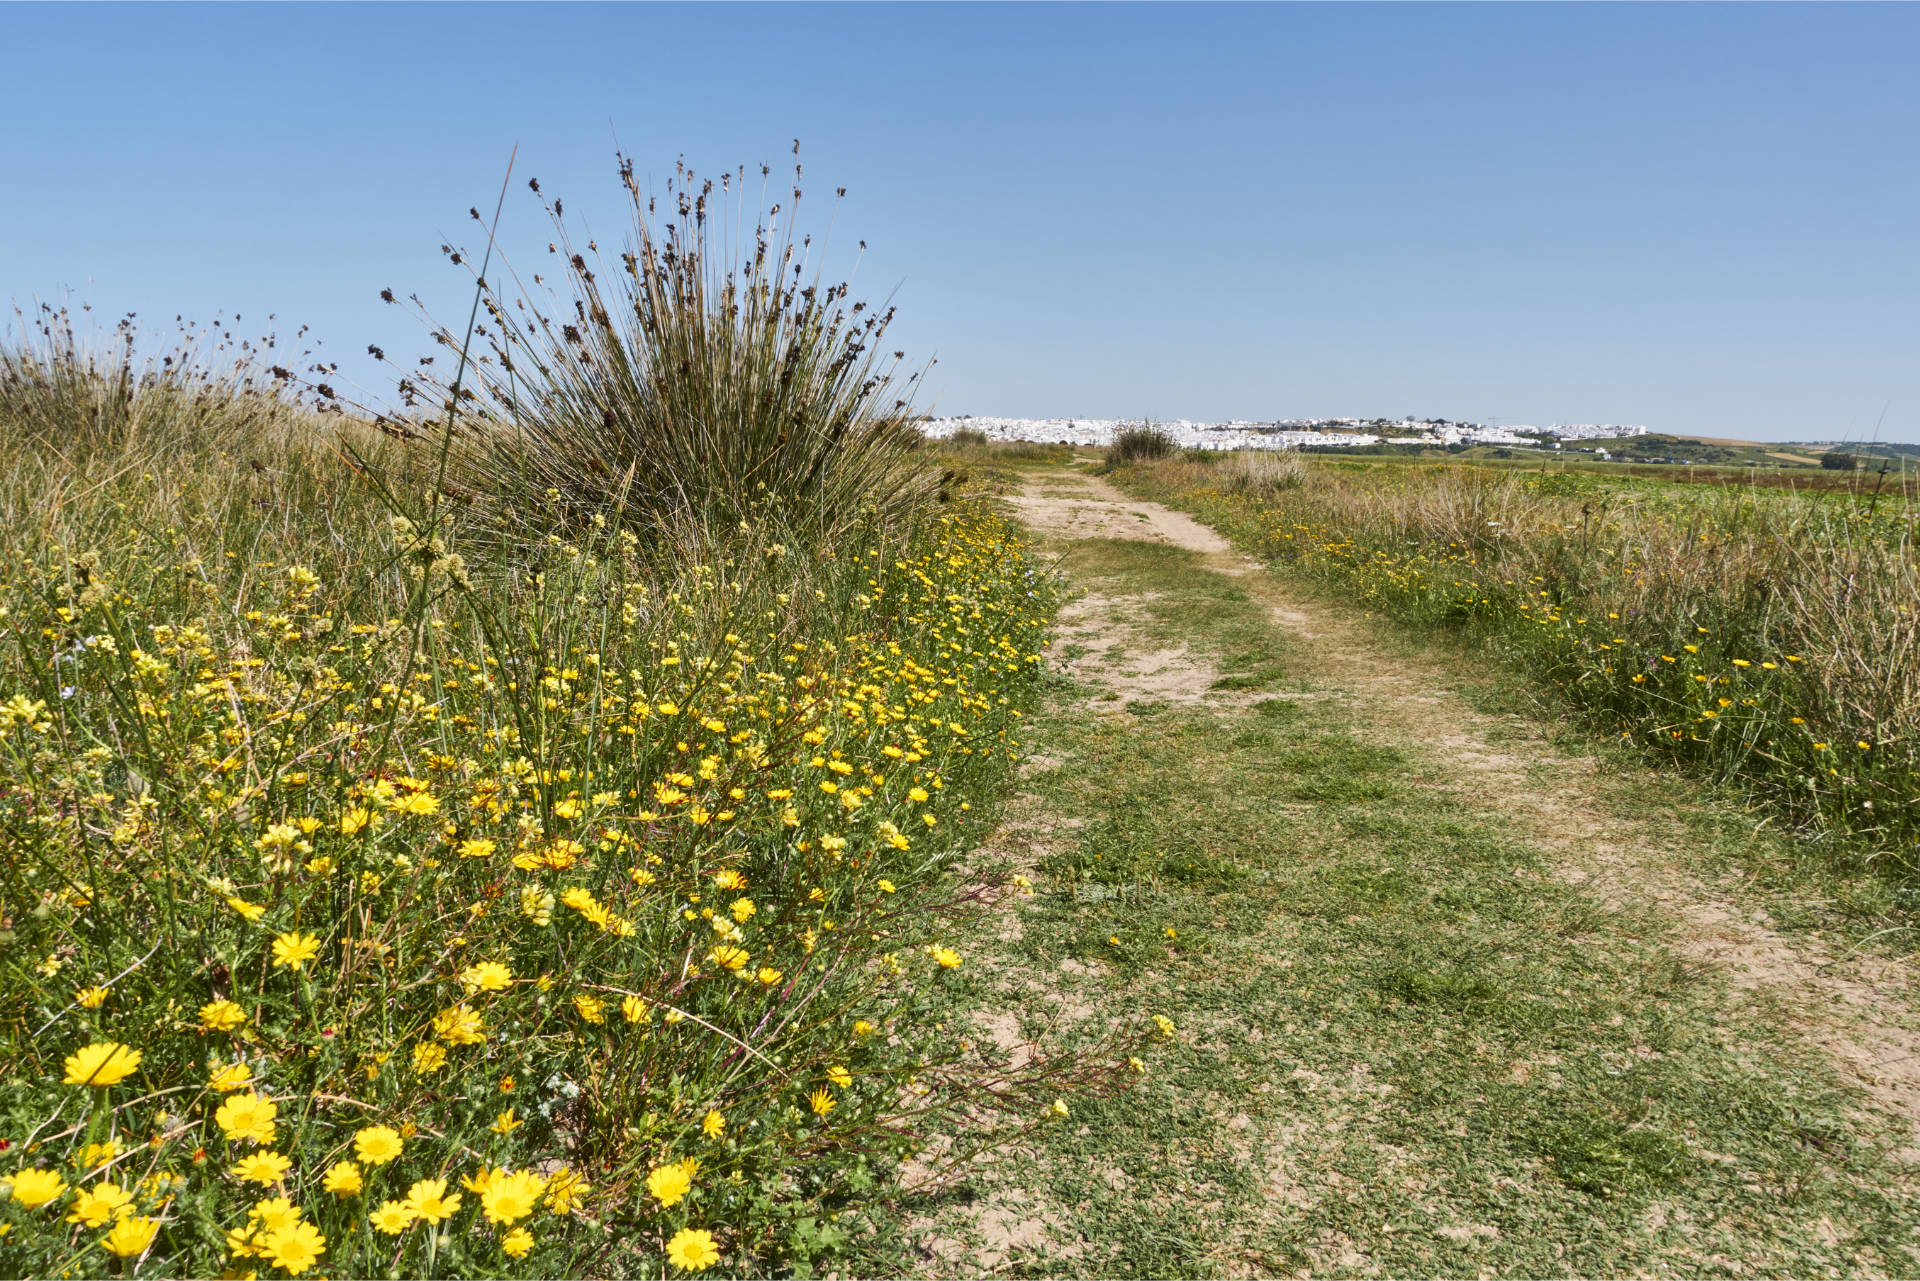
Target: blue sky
(1702, 217)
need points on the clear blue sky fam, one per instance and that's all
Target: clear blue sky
(1702, 218)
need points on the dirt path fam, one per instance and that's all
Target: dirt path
(1451, 998)
(1858, 1009)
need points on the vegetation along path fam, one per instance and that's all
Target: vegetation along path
(1451, 996)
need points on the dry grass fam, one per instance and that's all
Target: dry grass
(1261, 473)
(1763, 636)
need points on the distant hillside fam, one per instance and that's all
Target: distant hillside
(1713, 440)
(1659, 447)
(1883, 449)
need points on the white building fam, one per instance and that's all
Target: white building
(1285, 433)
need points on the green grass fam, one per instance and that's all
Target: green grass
(1406, 1045)
(1756, 637)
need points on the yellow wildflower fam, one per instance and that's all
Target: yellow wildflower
(247, 1117)
(221, 1016)
(417, 803)
(429, 1201)
(131, 1236)
(565, 1189)
(229, 1077)
(273, 1214)
(508, 1198)
(102, 1064)
(93, 1207)
(693, 1250)
(486, 976)
(293, 1249)
(460, 1025)
(342, 1179)
(262, 1167)
(377, 1144)
(669, 1183)
(34, 1188)
(294, 949)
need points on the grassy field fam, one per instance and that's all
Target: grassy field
(506, 838)
(660, 816)
(1407, 1041)
(1681, 460)
(1762, 637)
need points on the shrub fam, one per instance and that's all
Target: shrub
(1031, 451)
(973, 445)
(1143, 444)
(680, 382)
(1261, 473)
(1838, 460)
(75, 399)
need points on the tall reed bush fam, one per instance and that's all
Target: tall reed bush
(67, 393)
(1260, 473)
(701, 368)
(1142, 443)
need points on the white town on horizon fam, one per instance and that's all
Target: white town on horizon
(1286, 433)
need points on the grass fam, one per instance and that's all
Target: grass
(1144, 443)
(1762, 638)
(1405, 1044)
(418, 868)
(69, 396)
(1755, 467)
(1260, 473)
